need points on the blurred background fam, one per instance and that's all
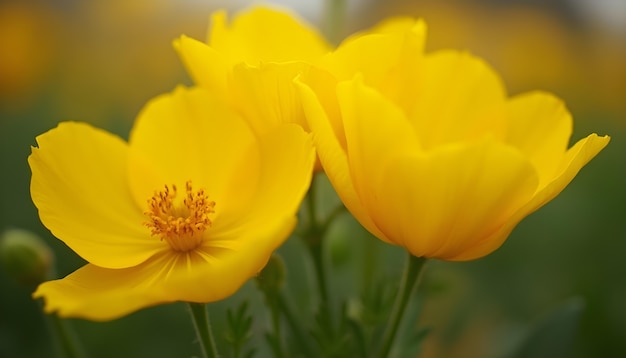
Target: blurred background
(99, 61)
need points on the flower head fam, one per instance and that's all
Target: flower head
(188, 210)
(252, 61)
(427, 150)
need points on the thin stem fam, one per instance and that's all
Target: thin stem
(200, 318)
(314, 239)
(340, 209)
(294, 325)
(317, 253)
(275, 312)
(409, 281)
(335, 12)
(66, 337)
(311, 205)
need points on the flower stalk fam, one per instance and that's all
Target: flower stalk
(68, 342)
(335, 12)
(315, 240)
(409, 281)
(200, 318)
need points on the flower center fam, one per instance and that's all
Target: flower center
(180, 223)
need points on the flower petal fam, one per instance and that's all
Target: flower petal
(191, 135)
(576, 157)
(201, 276)
(331, 151)
(440, 204)
(79, 187)
(207, 67)
(285, 175)
(400, 24)
(389, 58)
(262, 34)
(460, 98)
(376, 131)
(266, 94)
(540, 126)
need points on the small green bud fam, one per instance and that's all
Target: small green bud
(25, 257)
(272, 278)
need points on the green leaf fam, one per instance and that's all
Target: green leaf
(239, 324)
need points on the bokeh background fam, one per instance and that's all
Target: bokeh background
(99, 61)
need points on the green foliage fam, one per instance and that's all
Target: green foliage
(238, 333)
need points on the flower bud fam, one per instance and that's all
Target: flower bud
(25, 257)
(272, 278)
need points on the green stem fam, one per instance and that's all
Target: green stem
(275, 312)
(317, 253)
(409, 281)
(314, 239)
(66, 337)
(335, 12)
(294, 325)
(311, 206)
(200, 318)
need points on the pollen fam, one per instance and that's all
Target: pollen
(182, 223)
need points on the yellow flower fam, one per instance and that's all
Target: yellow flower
(427, 150)
(188, 210)
(252, 62)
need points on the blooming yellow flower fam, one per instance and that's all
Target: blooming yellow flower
(189, 209)
(252, 62)
(427, 150)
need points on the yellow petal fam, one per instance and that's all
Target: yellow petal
(575, 159)
(333, 156)
(265, 35)
(401, 24)
(191, 135)
(440, 204)
(460, 98)
(287, 158)
(375, 55)
(79, 187)
(266, 94)
(204, 275)
(540, 126)
(206, 66)
(388, 56)
(376, 131)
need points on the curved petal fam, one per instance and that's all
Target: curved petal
(388, 61)
(332, 155)
(220, 268)
(191, 135)
(540, 126)
(101, 294)
(576, 157)
(376, 131)
(287, 157)
(206, 66)
(205, 275)
(388, 56)
(266, 94)
(460, 98)
(261, 34)
(401, 24)
(440, 204)
(79, 187)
